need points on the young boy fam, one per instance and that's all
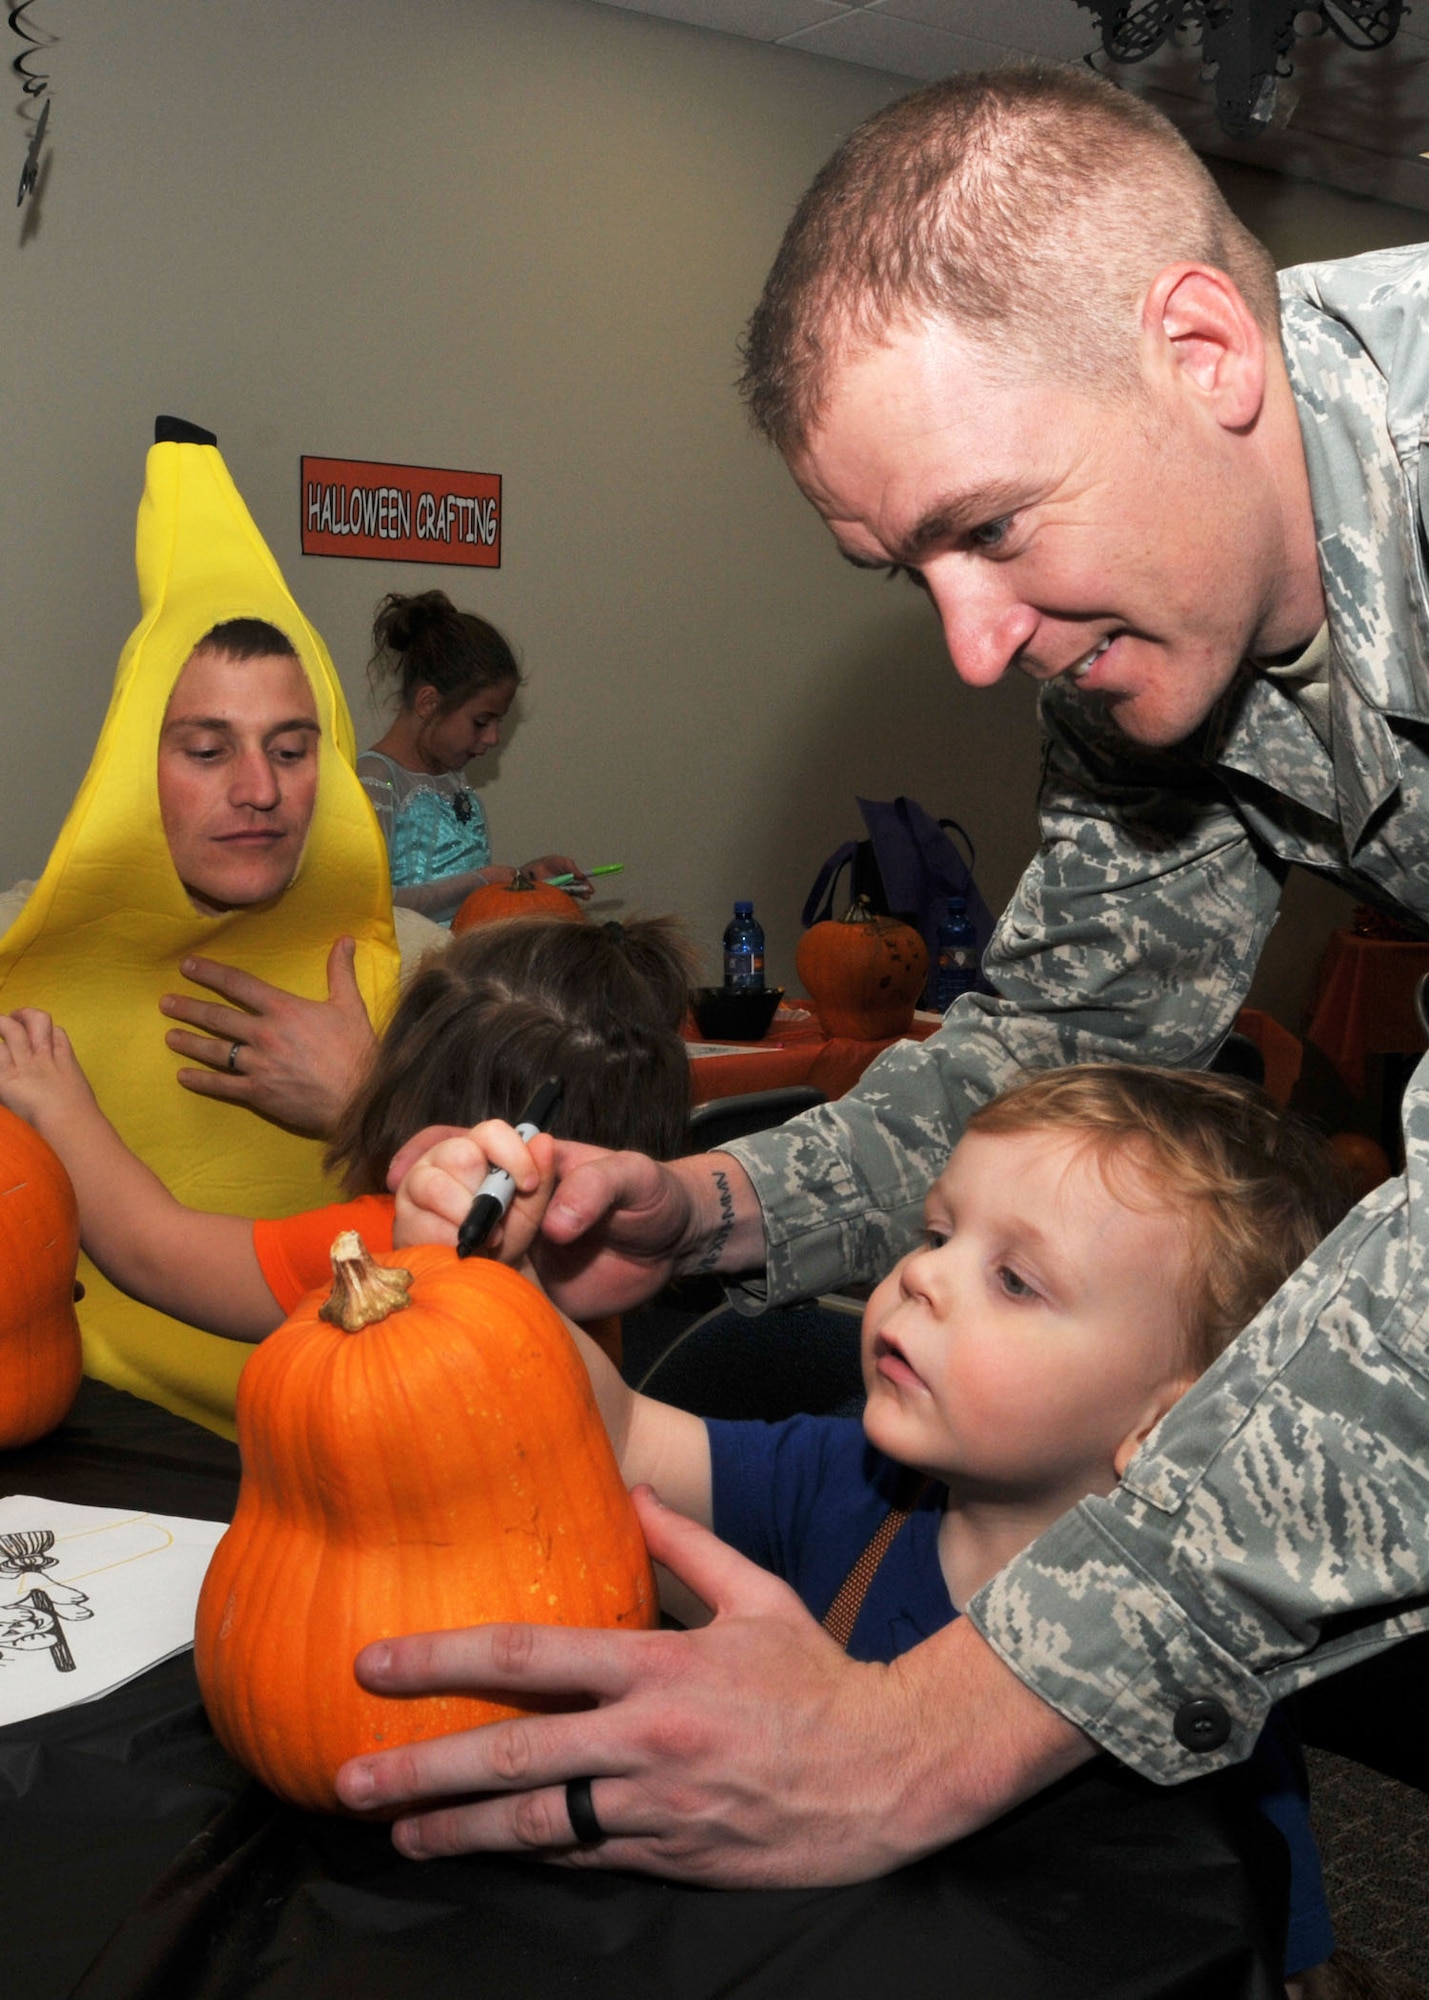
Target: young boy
(1098, 1237)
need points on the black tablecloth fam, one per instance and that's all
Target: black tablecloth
(137, 1863)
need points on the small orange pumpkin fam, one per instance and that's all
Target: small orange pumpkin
(39, 1248)
(1364, 1160)
(421, 1451)
(523, 896)
(864, 973)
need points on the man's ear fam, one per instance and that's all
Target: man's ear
(1196, 326)
(1160, 1402)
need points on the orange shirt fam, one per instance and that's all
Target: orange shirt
(294, 1253)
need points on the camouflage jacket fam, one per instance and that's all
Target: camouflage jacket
(1277, 1525)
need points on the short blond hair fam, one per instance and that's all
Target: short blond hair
(1256, 1187)
(1031, 205)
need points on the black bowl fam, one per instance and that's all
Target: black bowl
(738, 1016)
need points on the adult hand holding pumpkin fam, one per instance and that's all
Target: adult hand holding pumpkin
(750, 1753)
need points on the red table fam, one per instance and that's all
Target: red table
(1364, 1003)
(796, 1050)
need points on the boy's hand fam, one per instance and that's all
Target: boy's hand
(40, 1076)
(435, 1194)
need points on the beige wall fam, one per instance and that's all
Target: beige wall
(515, 235)
(519, 236)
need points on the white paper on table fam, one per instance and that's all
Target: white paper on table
(90, 1597)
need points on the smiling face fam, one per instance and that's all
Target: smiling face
(1135, 546)
(1026, 1348)
(447, 741)
(238, 774)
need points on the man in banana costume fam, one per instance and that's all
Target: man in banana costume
(171, 857)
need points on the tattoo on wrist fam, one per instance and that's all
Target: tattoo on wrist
(724, 1228)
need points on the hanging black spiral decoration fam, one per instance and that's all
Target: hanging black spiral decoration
(34, 84)
(1248, 41)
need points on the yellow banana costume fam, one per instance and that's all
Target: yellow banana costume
(101, 937)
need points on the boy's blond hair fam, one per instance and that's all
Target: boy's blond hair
(1257, 1187)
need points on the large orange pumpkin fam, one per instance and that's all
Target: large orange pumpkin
(523, 896)
(864, 973)
(442, 1465)
(39, 1247)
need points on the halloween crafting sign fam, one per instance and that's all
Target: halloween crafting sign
(400, 513)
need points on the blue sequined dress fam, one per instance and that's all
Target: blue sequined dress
(434, 826)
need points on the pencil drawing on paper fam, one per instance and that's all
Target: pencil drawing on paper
(30, 1622)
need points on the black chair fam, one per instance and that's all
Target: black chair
(1238, 1056)
(714, 1125)
(792, 1359)
(690, 1348)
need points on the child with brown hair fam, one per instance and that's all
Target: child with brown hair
(1098, 1238)
(480, 1027)
(456, 678)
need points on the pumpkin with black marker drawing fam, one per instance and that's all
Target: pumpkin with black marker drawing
(442, 1464)
(39, 1248)
(864, 973)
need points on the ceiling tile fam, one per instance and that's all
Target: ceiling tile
(1360, 119)
(1060, 29)
(907, 48)
(758, 20)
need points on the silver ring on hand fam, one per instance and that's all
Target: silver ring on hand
(233, 1048)
(584, 1825)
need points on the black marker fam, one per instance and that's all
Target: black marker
(493, 1197)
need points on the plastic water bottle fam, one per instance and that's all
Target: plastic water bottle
(957, 971)
(743, 952)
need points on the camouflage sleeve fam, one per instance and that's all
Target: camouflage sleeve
(1134, 934)
(1273, 1529)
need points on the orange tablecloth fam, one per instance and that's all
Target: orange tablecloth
(1364, 1004)
(796, 1050)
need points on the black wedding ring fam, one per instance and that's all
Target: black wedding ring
(584, 1825)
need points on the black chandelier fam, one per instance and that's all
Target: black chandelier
(1248, 41)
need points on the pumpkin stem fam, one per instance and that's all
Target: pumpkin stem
(363, 1291)
(860, 911)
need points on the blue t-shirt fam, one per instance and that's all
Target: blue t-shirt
(802, 1498)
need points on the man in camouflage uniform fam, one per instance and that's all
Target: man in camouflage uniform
(1218, 575)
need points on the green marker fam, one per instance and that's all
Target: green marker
(564, 881)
